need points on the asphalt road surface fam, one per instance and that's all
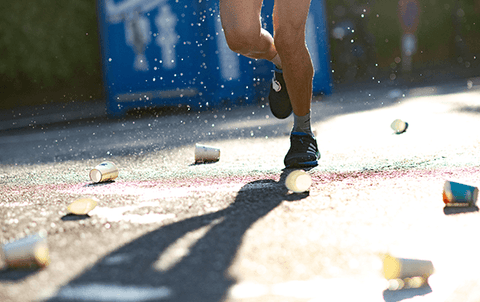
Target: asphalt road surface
(168, 229)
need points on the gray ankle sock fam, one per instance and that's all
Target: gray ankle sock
(302, 124)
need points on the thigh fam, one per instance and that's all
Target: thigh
(290, 16)
(240, 14)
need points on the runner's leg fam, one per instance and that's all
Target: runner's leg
(289, 19)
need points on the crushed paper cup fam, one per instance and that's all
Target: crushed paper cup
(205, 153)
(399, 126)
(298, 181)
(104, 172)
(82, 206)
(456, 194)
(401, 268)
(28, 252)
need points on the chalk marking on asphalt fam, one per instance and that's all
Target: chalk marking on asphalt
(110, 292)
(118, 214)
(158, 193)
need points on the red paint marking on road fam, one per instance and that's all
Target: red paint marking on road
(470, 173)
(25, 193)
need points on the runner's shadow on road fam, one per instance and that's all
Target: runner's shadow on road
(399, 295)
(191, 257)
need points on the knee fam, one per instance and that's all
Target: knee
(242, 40)
(289, 40)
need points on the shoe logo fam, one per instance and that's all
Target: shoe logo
(276, 85)
(312, 149)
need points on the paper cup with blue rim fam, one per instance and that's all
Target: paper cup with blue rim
(104, 172)
(205, 154)
(29, 252)
(298, 181)
(457, 194)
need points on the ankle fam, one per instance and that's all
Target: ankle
(302, 124)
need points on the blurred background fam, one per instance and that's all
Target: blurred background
(50, 50)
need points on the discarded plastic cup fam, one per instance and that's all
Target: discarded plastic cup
(459, 195)
(298, 181)
(28, 252)
(103, 172)
(205, 153)
(406, 269)
(399, 126)
(82, 206)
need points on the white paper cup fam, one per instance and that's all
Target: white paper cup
(400, 268)
(298, 181)
(27, 252)
(103, 172)
(399, 126)
(205, 153)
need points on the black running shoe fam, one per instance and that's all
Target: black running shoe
(278, 97)
(303, 151)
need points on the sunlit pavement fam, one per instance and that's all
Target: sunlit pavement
(170, 230)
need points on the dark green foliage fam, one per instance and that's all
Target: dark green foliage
(47, 43)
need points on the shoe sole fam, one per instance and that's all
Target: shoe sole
(282, 108)
(280, 112)
(307, 164)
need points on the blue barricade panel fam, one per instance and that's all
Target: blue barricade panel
(168, 53)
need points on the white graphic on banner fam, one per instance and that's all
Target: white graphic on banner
(138, 30)
(229, 61)
(311, 40)
(116, 12)
(137, 36)
(168, 37)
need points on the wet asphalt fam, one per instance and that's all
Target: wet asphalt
(168, 229)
